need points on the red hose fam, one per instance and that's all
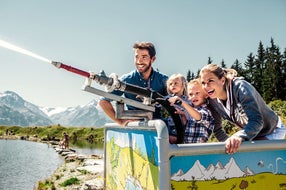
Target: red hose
(74, 70)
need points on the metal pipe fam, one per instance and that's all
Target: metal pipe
(103, 79)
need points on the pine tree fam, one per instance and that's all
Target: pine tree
(223, 65)
(249, 68)
(273, 73)
(188, 75)
(210, 60)
(267, 82)
(259, 63)
(283, 78)
(198, 74)
(238, 67)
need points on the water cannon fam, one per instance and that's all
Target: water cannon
(111, 83)
(145, 108)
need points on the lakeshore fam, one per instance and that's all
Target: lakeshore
(78, 171)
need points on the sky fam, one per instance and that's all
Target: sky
(95, 35)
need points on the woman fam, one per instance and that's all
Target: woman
(236, 100)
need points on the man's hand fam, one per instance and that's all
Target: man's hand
(124, 122)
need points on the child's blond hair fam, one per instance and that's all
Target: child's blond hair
(194, 82)
(182, 79)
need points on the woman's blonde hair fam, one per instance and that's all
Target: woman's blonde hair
(182, 79)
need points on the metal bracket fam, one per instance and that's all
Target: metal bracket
(144, 112)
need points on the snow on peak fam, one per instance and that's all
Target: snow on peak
(51, 111)
(199, 172)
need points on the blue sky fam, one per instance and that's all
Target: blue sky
(96, 35)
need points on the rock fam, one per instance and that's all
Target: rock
(90, 162)
(95, 169)
(89, 169)
(81, 157)
(94, 184)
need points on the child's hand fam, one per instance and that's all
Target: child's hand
(182, 114)
(179, 111)
(173, 100)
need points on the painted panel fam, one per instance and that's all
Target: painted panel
(131, 159)
(243, 170)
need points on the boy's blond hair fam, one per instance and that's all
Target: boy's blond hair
(196, 81)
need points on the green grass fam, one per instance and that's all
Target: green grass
(70, 181)
(56, 131)
(46, 185)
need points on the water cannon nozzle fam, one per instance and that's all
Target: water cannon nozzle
(57, 64)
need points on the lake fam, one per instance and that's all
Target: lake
(24, 163)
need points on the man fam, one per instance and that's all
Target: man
(144, 76)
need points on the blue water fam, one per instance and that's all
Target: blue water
(24, 163)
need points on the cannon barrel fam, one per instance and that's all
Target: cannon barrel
(102, 79)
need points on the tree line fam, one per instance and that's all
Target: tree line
(266, 71)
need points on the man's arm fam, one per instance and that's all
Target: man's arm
(110, 112)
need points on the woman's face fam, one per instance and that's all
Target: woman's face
(213, 86)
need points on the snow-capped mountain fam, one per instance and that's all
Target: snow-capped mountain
(85, 115)
(199, 172)
(14, 110)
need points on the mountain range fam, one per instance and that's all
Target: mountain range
(218, 171)
(15, 111)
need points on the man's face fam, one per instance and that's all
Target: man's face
(142, 60)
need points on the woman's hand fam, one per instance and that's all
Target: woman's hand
(232, 144)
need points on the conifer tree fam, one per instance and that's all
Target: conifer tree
(188, 75)
(238, 67)
(259, 63)
(249, 68)
(198, 74)
(268, 77)
(210, 60)
(223, 65)
(272, 82)
(283, 78)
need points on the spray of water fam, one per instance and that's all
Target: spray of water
(23, 51)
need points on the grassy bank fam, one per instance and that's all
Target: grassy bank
(54, 132)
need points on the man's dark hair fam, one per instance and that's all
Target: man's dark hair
(146, 45)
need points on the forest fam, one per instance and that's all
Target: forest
(265, 70)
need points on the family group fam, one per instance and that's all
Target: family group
(202, 103)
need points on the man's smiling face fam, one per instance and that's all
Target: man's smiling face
(143, 61)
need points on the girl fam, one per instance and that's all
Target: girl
(176, 86)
